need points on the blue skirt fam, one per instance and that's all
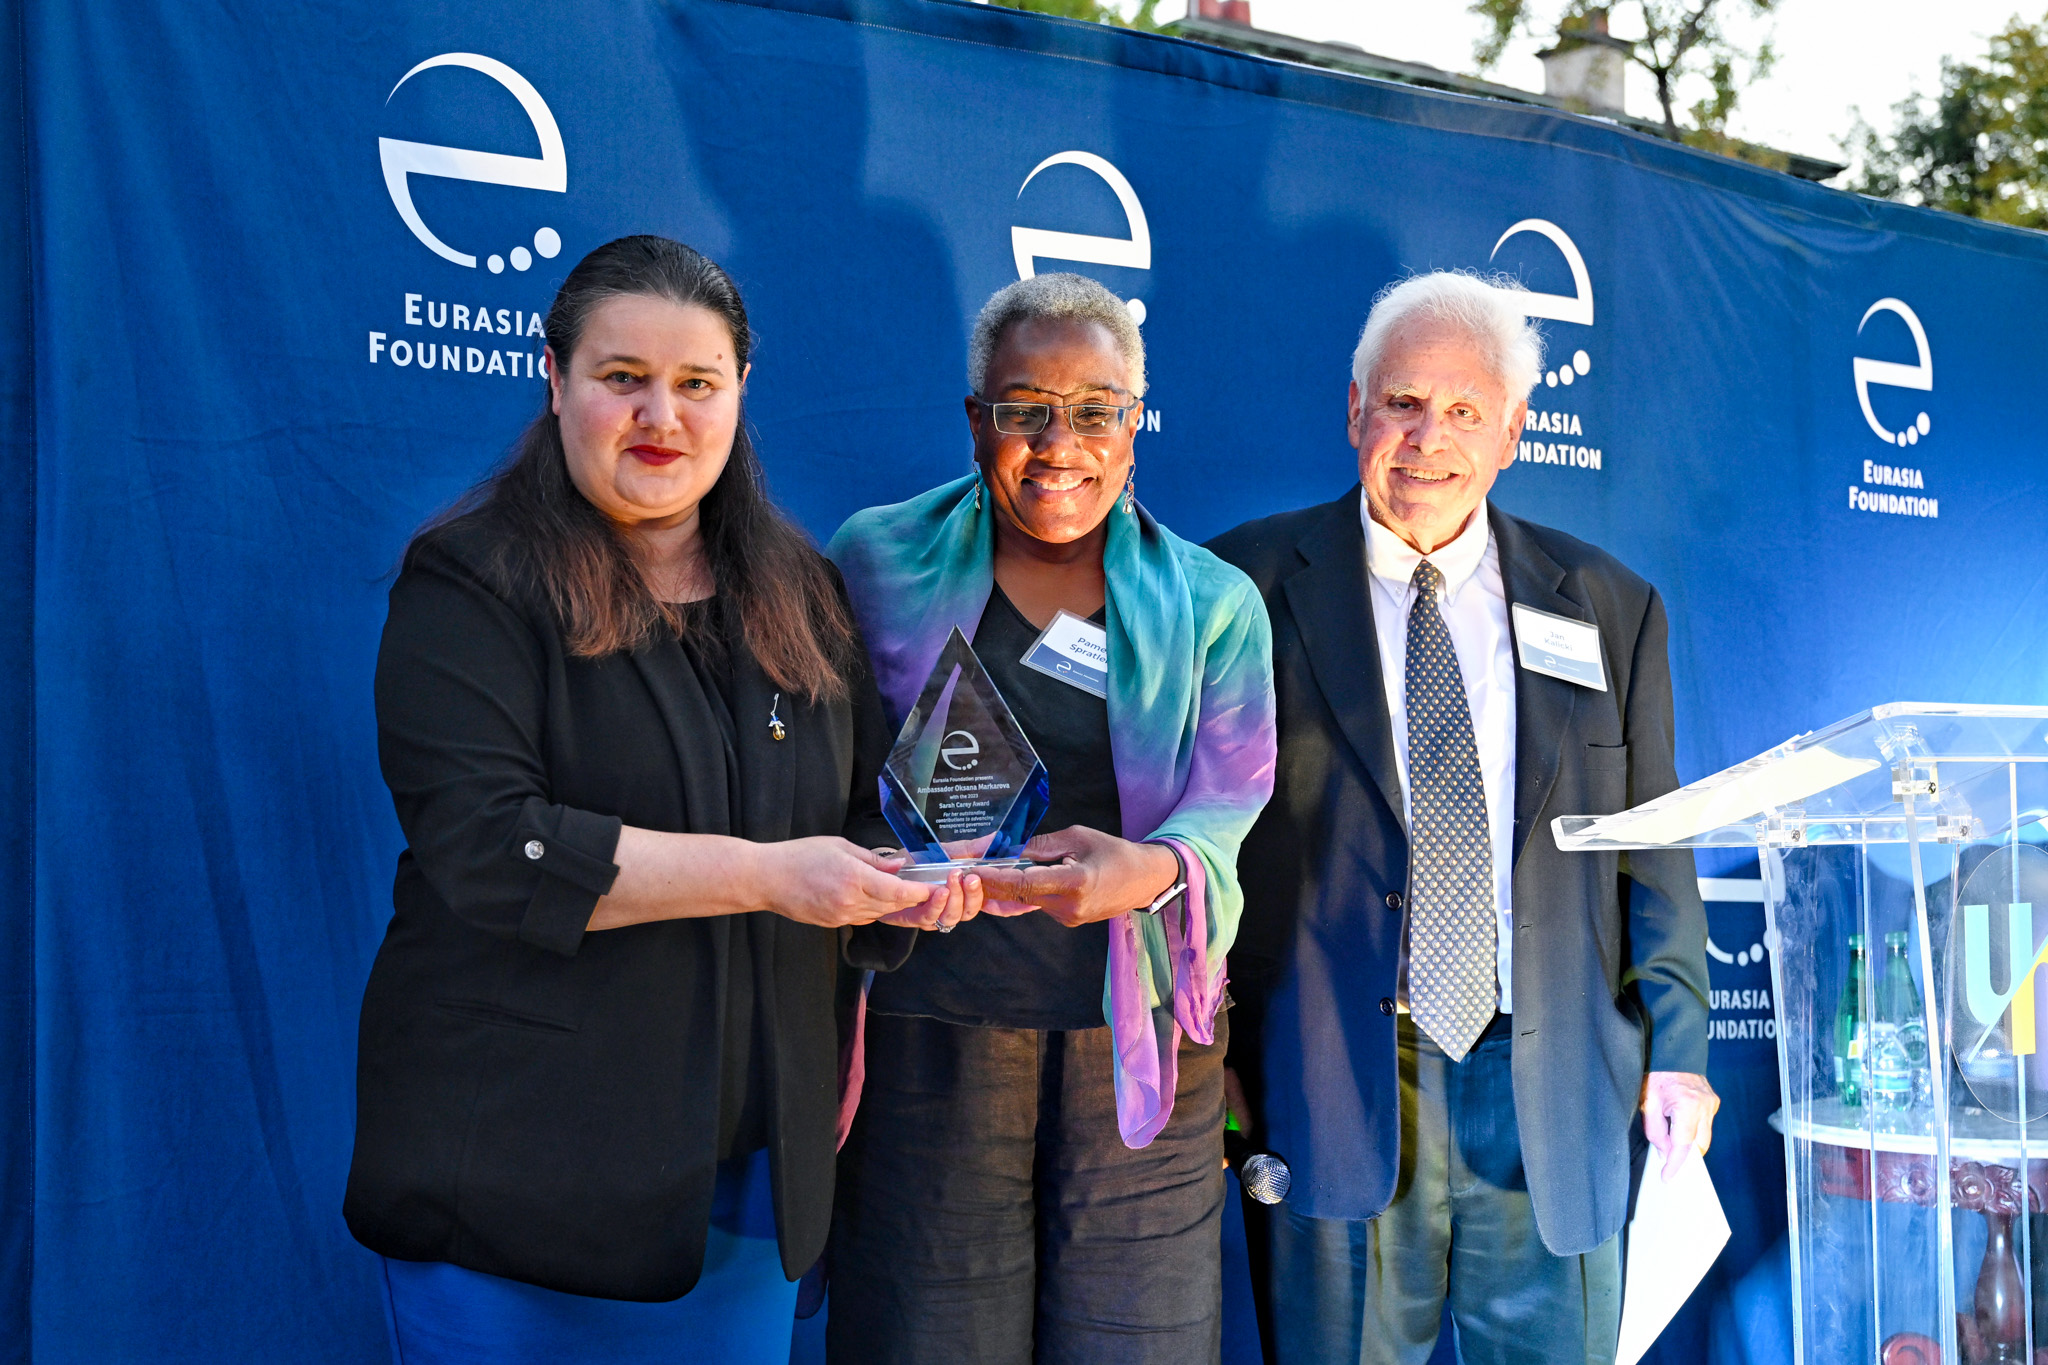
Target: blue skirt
(740, 1313)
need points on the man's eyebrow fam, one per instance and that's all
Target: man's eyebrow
(1466, 394)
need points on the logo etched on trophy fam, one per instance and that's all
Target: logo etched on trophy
(962, 788)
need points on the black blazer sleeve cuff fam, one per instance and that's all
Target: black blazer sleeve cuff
(877, 947)
(573, 850)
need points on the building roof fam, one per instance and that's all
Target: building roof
(1355, 61)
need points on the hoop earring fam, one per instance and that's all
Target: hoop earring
(1131, 490)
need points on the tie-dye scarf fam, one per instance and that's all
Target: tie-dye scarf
(1190, 724)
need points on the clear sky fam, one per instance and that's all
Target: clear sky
(1832, 54)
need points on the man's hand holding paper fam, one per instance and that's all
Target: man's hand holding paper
(1678, 1115)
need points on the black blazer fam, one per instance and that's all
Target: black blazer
(537, 1102)
(1610, 979)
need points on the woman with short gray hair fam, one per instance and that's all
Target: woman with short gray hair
(1034, 1172)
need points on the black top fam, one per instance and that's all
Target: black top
(550, 1105)
(1024, 971)
(703, 647)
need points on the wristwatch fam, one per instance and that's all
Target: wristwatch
(1166, 897)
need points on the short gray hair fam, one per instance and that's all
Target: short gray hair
(1059, 296)
(1484, 308)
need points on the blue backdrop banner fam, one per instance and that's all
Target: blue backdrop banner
(281, 302)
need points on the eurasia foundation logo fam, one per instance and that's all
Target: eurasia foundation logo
(548, 171)
(1135, 251)
(401, 160)
(1575, 308)
(1030, 245)
(1910, 501)
(1742, 1007)
(961, 750)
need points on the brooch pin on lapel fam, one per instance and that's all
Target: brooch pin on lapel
(775, 725)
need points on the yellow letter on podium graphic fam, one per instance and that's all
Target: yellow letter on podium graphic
(1988, 1004)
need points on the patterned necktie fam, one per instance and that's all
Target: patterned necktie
(1451, 926)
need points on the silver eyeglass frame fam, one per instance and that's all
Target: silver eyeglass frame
(1066, 410)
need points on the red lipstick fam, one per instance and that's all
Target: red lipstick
(654, 455)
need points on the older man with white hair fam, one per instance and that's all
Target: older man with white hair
(1445, 1025)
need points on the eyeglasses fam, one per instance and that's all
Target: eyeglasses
(1083, 419)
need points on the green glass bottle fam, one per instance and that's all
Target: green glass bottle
(1850, 1035)
(1896, 1063)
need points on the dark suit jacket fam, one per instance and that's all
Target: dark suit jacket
(537, 1102)
(1610, 972)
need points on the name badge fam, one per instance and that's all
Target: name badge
(1074, 650)
(1559, 647)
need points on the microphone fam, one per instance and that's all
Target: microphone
(1265, 1177)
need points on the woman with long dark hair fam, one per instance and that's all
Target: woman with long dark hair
(632, 739)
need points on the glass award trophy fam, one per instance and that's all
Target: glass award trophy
(963, 788)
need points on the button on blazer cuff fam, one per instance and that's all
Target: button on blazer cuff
(575, 867)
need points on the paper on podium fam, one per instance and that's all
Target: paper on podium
(1677, 1232)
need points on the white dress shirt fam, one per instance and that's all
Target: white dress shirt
(1474, 604)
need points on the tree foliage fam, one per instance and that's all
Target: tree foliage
(1981, 149)
(1681, 38)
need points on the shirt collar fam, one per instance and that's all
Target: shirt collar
(1393, 559)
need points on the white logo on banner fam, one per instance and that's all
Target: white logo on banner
(548, 171)
(1740, 1015)
(1134, 251)
(1574, 307)
(1577, 308)
(1891, 374)
(416, 338)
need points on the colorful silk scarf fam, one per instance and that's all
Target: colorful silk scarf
(1191, 733)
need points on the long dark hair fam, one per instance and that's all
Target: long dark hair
(776, 585)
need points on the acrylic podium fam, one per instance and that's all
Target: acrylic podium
(1903, 864)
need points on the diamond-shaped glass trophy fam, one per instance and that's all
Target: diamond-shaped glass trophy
(963, 788)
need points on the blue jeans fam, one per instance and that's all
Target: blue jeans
(1461, 1230)
(740, 1313)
